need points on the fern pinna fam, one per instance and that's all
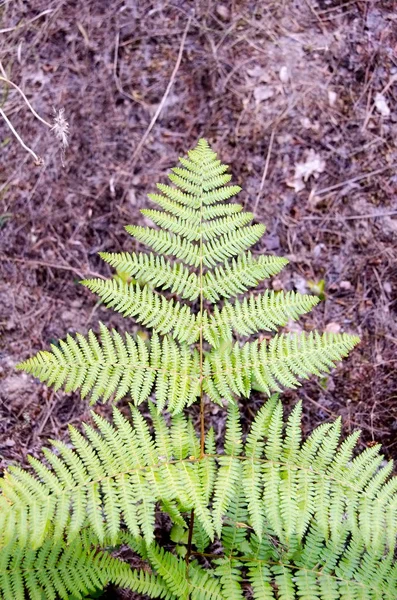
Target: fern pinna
(201, 254)
(264, 515)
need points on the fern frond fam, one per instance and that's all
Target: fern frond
(152, 310)
(192, 229)
(157, 271)
(111, 365)
(230, 468)
(55, 571)
(210, 240)
(236, 276)
(231, 244)
(165, 243)
(230, 279)
(171, 569)
(264, 312)
(114, 473)
(275, 500)
(230, 575)
(280, 361)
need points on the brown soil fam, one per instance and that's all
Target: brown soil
(270, 84)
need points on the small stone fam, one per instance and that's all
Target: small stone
(381, 105)
(333, 328)
(277, 285)
(387, 287)
(223, 12)
(262, 93)
(284, 75)
(345, 285)
(332, 97)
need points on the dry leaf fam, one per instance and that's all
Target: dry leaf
(312, 167)
(381, 105)
(262, 93)
(333, 328)
(284, 75)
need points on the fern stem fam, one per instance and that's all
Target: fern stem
(190, 539)
(201, 354)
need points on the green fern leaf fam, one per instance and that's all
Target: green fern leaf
(113, 474)
(201, 254)
(152, 310)
(264, 312)
(285, 358)
(109, 365)
(55, 571)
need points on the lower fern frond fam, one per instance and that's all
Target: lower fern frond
(55, 571)
(116, 473)
(119, 473)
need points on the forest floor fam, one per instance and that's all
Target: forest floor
(299, 97)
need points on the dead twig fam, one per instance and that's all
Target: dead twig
(265, 170)
(164, 98)
(37, 160)
(336, 186)
(41, 263)
(19, 25)
(389, 213)
(32, 110)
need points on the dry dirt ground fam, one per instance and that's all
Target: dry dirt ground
(299, 97)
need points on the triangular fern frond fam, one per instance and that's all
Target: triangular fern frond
(201, 256)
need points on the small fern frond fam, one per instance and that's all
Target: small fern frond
(111, 365)
(167, 244)
(231, 244)
(268, 364)
(264, 312)
(156, 271)
(150, 309)
(238, 275)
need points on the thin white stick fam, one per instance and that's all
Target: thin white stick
(45, 12)
(26, 100)
(265, 170)
(38, 160)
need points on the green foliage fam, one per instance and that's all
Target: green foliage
(306, 517)
(201, 253)
(262, 514)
